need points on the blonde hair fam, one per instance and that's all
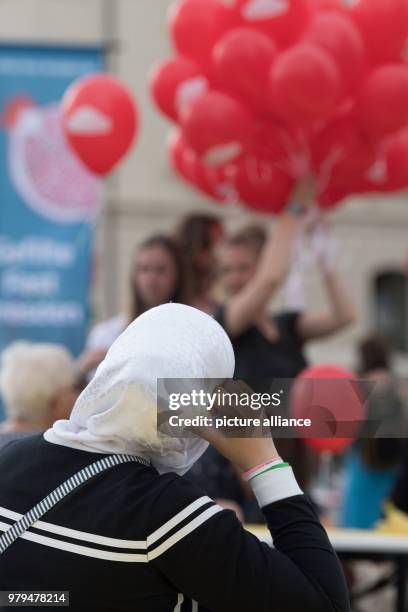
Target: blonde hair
(31, 376)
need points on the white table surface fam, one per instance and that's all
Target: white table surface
(352, 540)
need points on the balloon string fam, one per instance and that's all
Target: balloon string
(328, 166)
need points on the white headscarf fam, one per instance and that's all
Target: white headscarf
(117, 412)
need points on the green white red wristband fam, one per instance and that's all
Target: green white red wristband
(263, 467)
(273, 482)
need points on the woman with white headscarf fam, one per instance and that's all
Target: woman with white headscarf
(97, 506)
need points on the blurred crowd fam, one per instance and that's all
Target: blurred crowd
(236, 277)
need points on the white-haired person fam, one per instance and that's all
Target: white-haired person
(98, 505)
(38, 387)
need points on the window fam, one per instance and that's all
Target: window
(391, 308)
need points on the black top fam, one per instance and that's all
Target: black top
(258, 357)
(133, 540)
(7, 437)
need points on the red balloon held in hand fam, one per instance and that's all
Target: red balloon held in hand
(196, 26)
(100, 121)
(382, 102)
(217, 127)
(305, 84)
(329, 396)
(283, 20)
(337, 34)
(176, 82)
(242, 60)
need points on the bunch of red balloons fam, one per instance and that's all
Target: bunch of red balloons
(264, 92)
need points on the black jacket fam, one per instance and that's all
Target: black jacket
(131, 539)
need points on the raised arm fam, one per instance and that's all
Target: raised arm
(210, 557)
(243, 309)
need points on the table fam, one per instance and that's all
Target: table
(364, 545)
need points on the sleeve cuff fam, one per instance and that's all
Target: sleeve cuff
(274, 486)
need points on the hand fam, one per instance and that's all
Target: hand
(304, 192)
(324, 245)
(245, 453)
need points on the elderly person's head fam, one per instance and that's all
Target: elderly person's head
(37, 383)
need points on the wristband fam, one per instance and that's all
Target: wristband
(275, 485)
(295, 209)
(264, 467)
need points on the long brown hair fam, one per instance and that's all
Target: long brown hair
(195, 235)
(137, 304)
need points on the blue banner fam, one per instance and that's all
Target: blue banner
(47, 200)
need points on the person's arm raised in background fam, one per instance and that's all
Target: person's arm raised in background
(242, 310)
(341, 312)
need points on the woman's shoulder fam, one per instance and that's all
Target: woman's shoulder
(103, 334)
(177, 499)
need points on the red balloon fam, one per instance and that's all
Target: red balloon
(336, 33)
(274, 142)
(336, 446)
(331, 196)
(382, 103)
(389, 172)
(329, 396)
(175, 151)
(196, 25)
(263, 187)
(324, 5)
(396, 163)
(217, 183)
(100, 121)
(242, 60)
(305, 84)
(174, 83)
(384, 26)
(217, 127)
(283, 20)
(340, 154)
